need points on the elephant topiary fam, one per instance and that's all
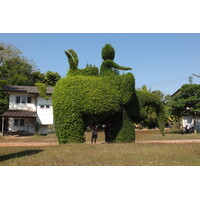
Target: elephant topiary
(80, 99)
(84, 96)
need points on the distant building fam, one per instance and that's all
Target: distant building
(188, 120)
(26, 108)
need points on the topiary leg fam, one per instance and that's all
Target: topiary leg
(71, 129)
(127, 131)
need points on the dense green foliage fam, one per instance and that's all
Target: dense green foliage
(16, 71)
(88, 71)
(8, 52)
(108, 52)
(72, 59)
(108, 66)
(186, 101)
(155, 104)
(81, 99)
(147, 98)
(51, 78)
(42, 88)
(85, 97)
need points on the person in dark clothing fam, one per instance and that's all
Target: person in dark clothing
(94, 133)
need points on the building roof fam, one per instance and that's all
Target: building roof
(175, 93)
(19, 113)
(28, 89)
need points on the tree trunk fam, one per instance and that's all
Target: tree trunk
(195, 130)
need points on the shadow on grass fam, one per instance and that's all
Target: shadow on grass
(19, 154)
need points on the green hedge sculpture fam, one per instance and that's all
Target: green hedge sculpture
(86, 96)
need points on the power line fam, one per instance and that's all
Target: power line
(164, 82)
(179, 79)
(196, 75)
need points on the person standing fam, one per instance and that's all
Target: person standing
(94, 133)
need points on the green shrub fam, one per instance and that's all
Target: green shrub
(146, 98)
(88, 71)
(37, 128)
(84, 96)
(108, 52)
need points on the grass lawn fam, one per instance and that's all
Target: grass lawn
(101, 154)
(142, 135)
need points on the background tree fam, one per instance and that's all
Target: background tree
(7, 52)
(187, 102)
(16, 71)
(51, 78)
(159, 94)
(37, 77)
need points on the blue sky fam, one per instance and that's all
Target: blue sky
(159, 61)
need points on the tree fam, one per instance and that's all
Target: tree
(37, 77)
(51, 78)
(159, 94)
(149, 111)
(7, 52)
(16, 71)
(187, 102)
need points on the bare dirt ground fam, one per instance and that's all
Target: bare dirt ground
(188, 141)
(142, 137)
(17, 144)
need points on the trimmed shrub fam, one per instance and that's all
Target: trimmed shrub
(84, 96)
(88, 71)
(108, 52)
(146, 98)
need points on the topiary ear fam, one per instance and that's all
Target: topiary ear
(108, 52)
(72, 59)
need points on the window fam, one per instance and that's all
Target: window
(28, 99)
(16, 121)
(23, 99)
(17, 99)
(21, 122)
(44, 106)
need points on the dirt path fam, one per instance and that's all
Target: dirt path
(169, 141)
(24, 144)
(34, 144)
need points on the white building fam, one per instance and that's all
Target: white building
(27, 109)
(190, 122)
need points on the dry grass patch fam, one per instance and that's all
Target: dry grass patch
(142, 135)
(103, 155)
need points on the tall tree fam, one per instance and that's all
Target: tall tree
(187, 102)
(37, 77)
(8, 51)
(16, 71)
(159, 94)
